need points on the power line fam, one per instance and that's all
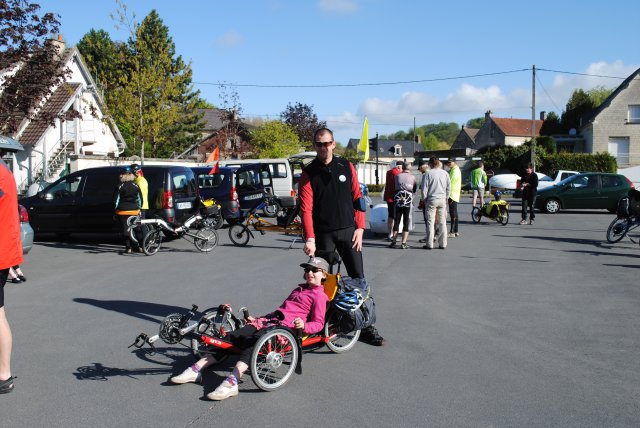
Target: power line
(549, 96)
(343, 85)
(580, 74)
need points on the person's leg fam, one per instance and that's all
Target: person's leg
(391, 214)
(396, 226)
(351, 258)
(19, 273)
(6, 340)
(481, 193)
(431, 217)
(524, 209)
(125, 236)
(441, 220)
(454, 221)
(475, 198)
(532, 214)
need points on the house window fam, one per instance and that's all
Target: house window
(619, 149)
(634, 114)
(397, 150)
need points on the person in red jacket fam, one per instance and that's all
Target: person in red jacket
(389, 193)
(10, 255)
(332, 217)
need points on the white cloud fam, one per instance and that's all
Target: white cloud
(230, 39)
(339, 6)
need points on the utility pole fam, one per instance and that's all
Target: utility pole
(414, 135)
(533, 118)
(377, 177)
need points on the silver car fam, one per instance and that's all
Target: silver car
(26, 232)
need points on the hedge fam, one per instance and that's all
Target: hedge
(583, 162)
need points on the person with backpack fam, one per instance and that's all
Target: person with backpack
(403, 199)
(127, 201)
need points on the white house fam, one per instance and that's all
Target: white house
(47, 145)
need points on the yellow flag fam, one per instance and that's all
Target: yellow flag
(363, 145)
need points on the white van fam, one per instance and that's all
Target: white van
(281, 177)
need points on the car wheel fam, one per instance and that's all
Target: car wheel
(552, 206)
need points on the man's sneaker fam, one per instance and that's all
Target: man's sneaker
(422, 241)
(371, 336)
(457, 234)
(404, 246)
(531, 221)
(187, 376)
(224, 390)
(451, 235)
(523, 221)
(392, 245)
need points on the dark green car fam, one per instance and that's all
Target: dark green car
(593, 190)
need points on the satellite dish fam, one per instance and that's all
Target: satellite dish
(572, 132)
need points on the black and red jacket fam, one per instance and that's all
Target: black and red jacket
(327, 194)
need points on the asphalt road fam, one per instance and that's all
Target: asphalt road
(509, 326)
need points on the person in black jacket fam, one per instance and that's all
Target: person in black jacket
(127, 201)
(529, 185)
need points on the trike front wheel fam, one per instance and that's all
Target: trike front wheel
(476, 215)
(151, 242)
(339, 342)
(617, 229)
(239, 234)
(274, 358)
(504, 216)
(206, 239)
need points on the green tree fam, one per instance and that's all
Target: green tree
(275, 139)
(581, 103)
(599, 94)
(551, 125)
(475, 122)
(102, 56)
(303, 121)
(29, 60)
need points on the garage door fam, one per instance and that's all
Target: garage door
(619, 148)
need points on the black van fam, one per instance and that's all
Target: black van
(234, 188)
(83, 201)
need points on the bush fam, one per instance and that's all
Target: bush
(375, 187)
(583, 162)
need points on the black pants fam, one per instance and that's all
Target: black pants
(528, 203)
(401, 213)
(244, 338)
(127, 238)
(4, 274)
(340, 240)
(453, 215)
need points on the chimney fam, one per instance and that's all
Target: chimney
(58, 44)
(488, 114)
(542, 115)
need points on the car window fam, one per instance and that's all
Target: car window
(66, 187)
(249, 180)
(580, 182)
(566, 175)
(210, 181)
(101, 185)
(278, 170)
(182, 184)
(611, 181)
(546, 179)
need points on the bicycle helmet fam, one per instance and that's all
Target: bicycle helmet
(125, 170)
(348, 301)
(135, 168)
(497, 195)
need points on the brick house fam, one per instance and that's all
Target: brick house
(466, 138)
(498, 131)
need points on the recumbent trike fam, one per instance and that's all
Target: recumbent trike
(276, 355)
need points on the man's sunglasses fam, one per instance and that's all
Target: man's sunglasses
(322, 143)
(314, 270)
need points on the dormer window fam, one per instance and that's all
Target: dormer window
(634, 114)
(397, 150)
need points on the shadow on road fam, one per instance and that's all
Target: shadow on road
(143, 310)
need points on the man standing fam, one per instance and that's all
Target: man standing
(10, 255)
(329, 192)
(478, 183)
(436, 189)
(144, 188)
(389, 192)
(455, 176)
(529, 185)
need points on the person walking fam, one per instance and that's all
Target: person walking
(144, 188)
(127, 201)
(10, 255)
(529, 186)
(405, 188)
(423, 167)
(389, 193)
(436, 190)
(329, 193)
(455, 176)
(478, 183)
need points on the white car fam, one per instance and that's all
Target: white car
(508, 181)
(378, 219)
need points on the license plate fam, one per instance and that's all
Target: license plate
(248, 198)
(183, 205)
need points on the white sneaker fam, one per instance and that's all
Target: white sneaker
(187, 376)
(224, 390)
(451, 235)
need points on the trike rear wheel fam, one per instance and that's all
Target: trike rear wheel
(617, 229)
(476, 215)
(274, 358)
(239, 234)
(339, 342)
(206, 239)
(151, 242)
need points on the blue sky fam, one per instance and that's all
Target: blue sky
(346, 42)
